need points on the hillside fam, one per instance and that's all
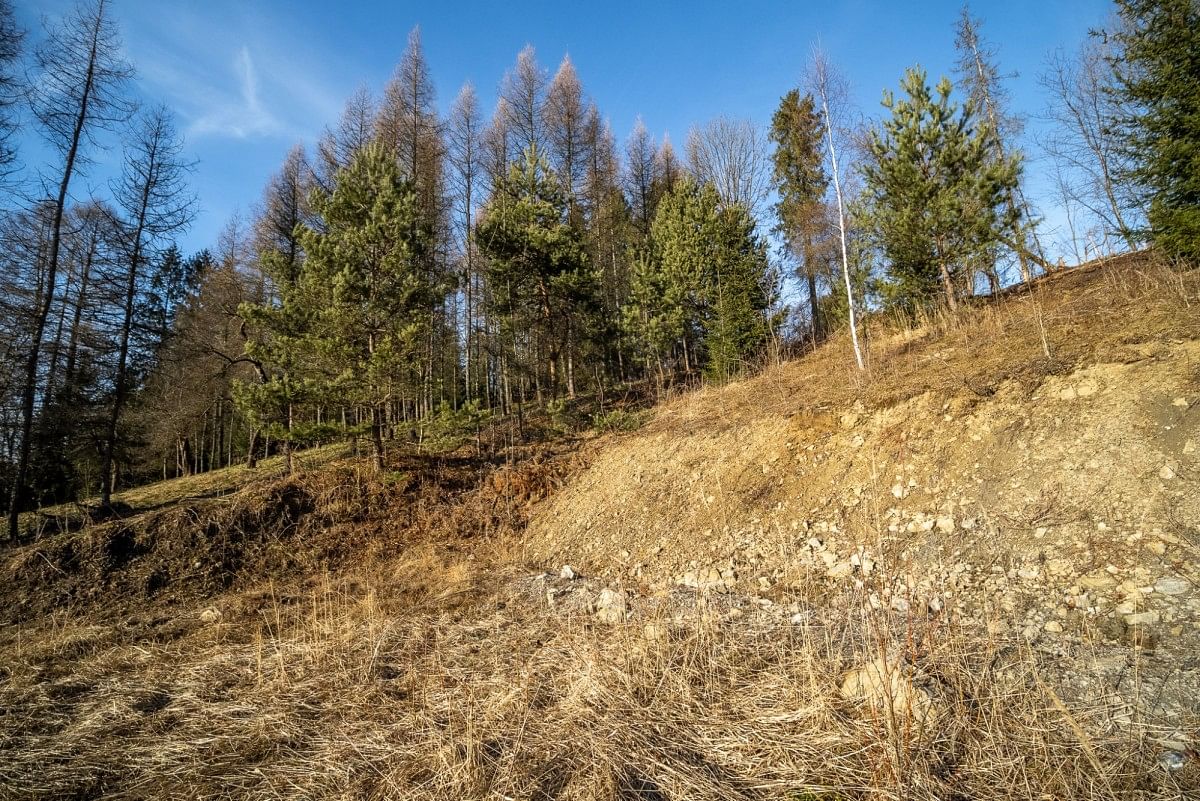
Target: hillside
(971, 572)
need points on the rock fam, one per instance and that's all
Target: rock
(900, 605)
(935, 605)
(1029, 573)
(1166, 473)
(1157, 547)
(945, 524)
(210, 615)
(840, 570)
(1098, 581)
(1053, 626)
(849, 420)
(611, 606)
(1142, 618)
(567, 573)
(1172, 585)
(889, 684)
(1181, 403)
(1171, 761)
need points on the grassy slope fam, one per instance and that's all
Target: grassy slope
(430, 662)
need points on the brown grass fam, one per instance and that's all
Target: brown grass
(473, 689)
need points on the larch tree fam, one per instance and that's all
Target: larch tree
(78, 92)
(464, 140)
(979, 75)
(565, 119)
(936, 190)
(524, 94)
(11, 40)
(641, 174)
(155, 205)
(338, 146)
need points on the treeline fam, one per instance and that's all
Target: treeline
(418, 269)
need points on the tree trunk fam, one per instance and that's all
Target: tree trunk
(39, 325)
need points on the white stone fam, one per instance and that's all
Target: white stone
(567, 573)
(1166, 473)
(1142, 618)
(1172, 585)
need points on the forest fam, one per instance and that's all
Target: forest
(417, 272)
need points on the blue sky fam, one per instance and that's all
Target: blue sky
(249, 79)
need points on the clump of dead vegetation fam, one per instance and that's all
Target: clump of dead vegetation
(472, 689)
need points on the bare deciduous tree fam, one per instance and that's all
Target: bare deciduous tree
(732, 155)
(828, 86)
(1082, 141)
(79, 91)
(156, 204)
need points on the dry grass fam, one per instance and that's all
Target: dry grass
(1099, 312)
(213, 484)
(473, 689)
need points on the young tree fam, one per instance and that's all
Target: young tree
(536, 262)
(798, 173)
(703, 287)
(937, 191)
(363, 267)
(155, 204)
(831, 90)
(81, 76)
(1158, 77)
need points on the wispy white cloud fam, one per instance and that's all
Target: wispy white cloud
(228, 79)
(238, 113)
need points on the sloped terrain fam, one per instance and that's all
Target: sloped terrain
(969, 573)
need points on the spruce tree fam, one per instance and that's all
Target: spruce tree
(1158, 77)
(703, 288)
(798, 173)
(936, 191)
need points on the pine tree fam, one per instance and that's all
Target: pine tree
(937, 191)
(800, 180)
(362, 276)
(1158, 76)
(536, 264)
